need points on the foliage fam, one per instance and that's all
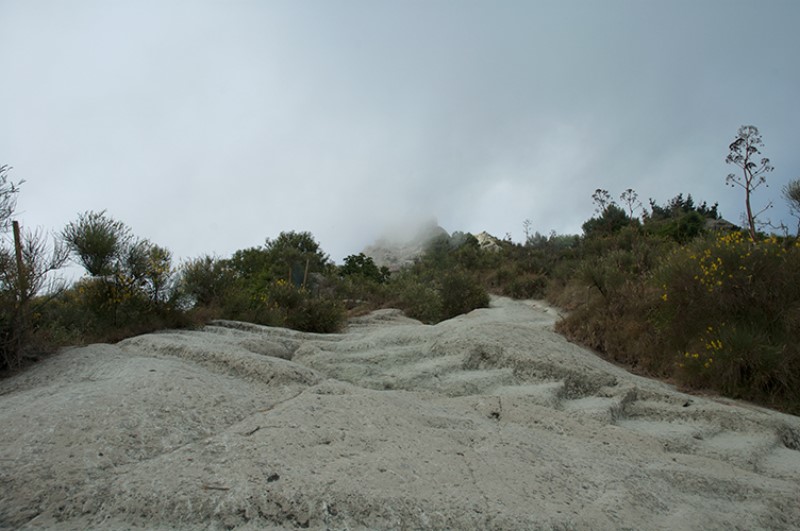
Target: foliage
(612, 219)
(444, 282)
(131, 284)
(652, 289)
(24, 272)
(95, 310)
(743, 152)
(418, 299)
(294, 255)
(279, 284)
(363, 266)
(461, 293)
(679, 219)
(678, 206)
(719, 312)
(150, 269)
(525, 271)
(631, 201)
(791, 194)
(205, 280)
(731, 309)
(8, 197)
(98, 241)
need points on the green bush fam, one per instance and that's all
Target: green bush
(100, 310)
(418, 299)
(282, 304)
(679, 219)
(526, 286)
(204, 281)
(317, 314)
(613, 298)
(461, 293)
(720, 312)
(299, 309)
(611, 220)
(432, 296)
(363, 267)
(284, 283)
(729, 313)
(98, 241)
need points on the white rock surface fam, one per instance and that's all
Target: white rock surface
(487, 421)
(487, 242)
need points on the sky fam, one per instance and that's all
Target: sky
(208, 126)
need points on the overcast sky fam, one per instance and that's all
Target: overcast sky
(208, 126)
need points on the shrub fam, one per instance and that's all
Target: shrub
(612, 282)
(461, 293)
(526, 286)
(98, 241)
(204, 281)
(317, 314)
(98, 310)
(611, 220)
(131, 287)
(363, 267)
(24, 272)
(418, 300)
(728, 315)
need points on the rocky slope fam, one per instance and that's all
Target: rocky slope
(486, 421)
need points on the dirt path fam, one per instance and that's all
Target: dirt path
(487, 421)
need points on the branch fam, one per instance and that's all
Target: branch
(769, 205)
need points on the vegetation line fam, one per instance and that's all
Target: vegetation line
(672, 289)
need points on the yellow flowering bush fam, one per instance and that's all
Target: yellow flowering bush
(729, 312)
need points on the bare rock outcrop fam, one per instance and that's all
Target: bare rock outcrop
(486, 421)
(398, 251)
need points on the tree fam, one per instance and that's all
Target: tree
(149, 267)
(205, 280)
(295, 255)
(791, 193)
(247, 264)
(98, 241)
(631, 201)
(611, 218)
(40, 259)
(129, 276)
(8, 197)
(602, 201)
(679, 219)
(24, 272)
(363, 266)
(610, 221)
(743, 153)
(678, 206)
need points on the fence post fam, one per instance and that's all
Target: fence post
(22, 294)
(21, 273)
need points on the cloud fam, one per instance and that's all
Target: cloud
(209, 127)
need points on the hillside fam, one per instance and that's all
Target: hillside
(486, 421)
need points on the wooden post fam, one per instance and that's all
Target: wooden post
(22, 275)
(22, 295)
(305, 273)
